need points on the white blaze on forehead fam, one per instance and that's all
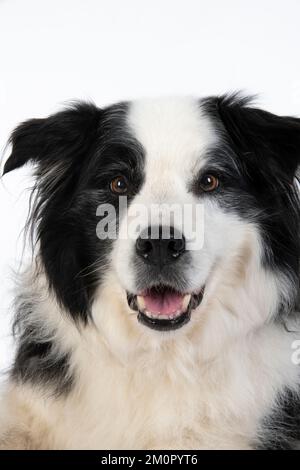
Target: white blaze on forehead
(174, 132)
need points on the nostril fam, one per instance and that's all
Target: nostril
(176, 247)
(143, 247)
(147, 248)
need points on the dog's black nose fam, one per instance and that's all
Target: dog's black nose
(160, 246)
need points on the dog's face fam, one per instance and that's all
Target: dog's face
(180, 214)
(162, 267)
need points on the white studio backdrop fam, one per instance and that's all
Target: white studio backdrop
(52, 51)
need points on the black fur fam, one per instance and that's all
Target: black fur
(280, 430)
(38, 360)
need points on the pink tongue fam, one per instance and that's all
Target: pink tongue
(163, 303)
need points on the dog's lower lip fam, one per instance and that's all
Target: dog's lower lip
(163, 324)
(158, 320)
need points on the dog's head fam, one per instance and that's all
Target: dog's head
(175, 214)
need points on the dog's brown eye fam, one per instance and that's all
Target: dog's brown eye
(208, 183)
(119, 185)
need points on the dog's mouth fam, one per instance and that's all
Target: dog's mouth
(163, 308)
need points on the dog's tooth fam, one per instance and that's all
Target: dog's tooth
(159, 316)
(164, 317)
(140, 302)
(149, 314)
(186, 301)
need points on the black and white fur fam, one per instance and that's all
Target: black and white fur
(87, 374)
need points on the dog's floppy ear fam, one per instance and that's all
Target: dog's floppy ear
(271, 139)
(64, 136)
(60, 146)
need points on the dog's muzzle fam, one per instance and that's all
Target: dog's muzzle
(160, 302)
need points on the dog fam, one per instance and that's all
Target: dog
(166, 333)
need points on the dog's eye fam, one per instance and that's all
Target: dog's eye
(208, 183)
(119, 185)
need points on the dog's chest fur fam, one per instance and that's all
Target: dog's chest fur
(164, 398)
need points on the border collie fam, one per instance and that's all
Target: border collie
(134, 335)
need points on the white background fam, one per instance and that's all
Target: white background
(52, 51)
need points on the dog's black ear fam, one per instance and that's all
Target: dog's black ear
(60, 146)
(270, 139)
(64, 136)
